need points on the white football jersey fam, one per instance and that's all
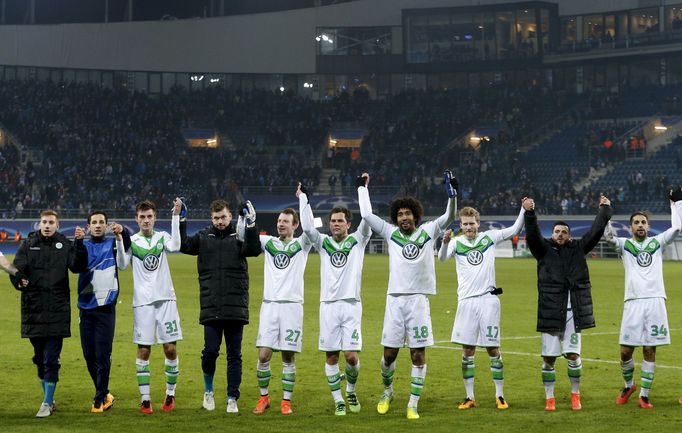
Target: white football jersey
(643, 263)
(284, 268)
(151, 274)
(475, 259)
(340, 262)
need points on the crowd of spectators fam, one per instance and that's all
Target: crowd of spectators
(94, 147)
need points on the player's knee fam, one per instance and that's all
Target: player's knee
(351, 358)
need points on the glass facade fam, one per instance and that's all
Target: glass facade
(460, 36)
(354, 41)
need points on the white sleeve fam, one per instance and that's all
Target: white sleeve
(307, 219)
(122, 257)
(446, 250)
(173, 244)
(375, 223)
(448, 217)
(515, 229)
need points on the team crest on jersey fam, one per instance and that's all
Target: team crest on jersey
(281, 260)
(293, 247)
(410, 251)
(484, 241)
(644, 259)
(338, 259)
(150, 262)
(475, 257)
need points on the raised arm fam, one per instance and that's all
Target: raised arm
(515, 228)
(374, 222)
(173, 244)
(592, 237)
(123, 244)
(534, 240)
(452, 190)
(306, 212)
(445, 249)
(675, 214)
(188, 244)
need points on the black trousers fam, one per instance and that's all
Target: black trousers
(97, 336)
(213, 336)
(46, 351)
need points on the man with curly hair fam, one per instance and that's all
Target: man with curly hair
(412, 278)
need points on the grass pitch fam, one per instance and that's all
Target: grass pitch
(20, 394)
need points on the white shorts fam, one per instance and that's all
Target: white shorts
(562, 343)
(407, 319)
(340, 326)
(281, 326)
(477, 322)
(158, 322)
(645, 323)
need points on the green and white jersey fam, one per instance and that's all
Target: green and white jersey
(284, 268)
(410, 257)
(475, 259)
(643, 263)
(151, 274)
(340, 262)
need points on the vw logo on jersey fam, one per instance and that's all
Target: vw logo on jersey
(150, 262)
(338, 259)
(410, 251)
(281, 260)
(644, 259)
(475, 257)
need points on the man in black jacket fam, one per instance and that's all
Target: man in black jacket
(44, 258)
(223, 292)
(564, 295)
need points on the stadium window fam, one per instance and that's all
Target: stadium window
(644, 20)
(673, 17)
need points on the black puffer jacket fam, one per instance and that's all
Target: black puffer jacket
(562, 269)
(223, 271)
(46, 303)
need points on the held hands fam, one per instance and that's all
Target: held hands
(362, 180)
(116, 229)
(604, 201)
(451, 184)
(179, 208)
(249, 213)
(447, 236)
(528, 203)
(79, 233)
(302, 189)
(675, 193)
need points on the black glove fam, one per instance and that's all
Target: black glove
(675, 193)
(304, 189)
(16, 280)
(452, 185)
(243, 209)
(361, 181)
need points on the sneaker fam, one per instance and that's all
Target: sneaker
(644, 403)
(501, 403)
(625, 394)
(44, 411)
(108, 402)
(169, 403)
(575, 401)
(146, 407)
(262, 404)
(340, 409)
(97, 408)
(384, 403)
(550, 404)
(354, 403)
(232, 406)
(209, 402)
(412, 413)
(467, 404)
(285, 407)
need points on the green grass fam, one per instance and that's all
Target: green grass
(313, 408)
